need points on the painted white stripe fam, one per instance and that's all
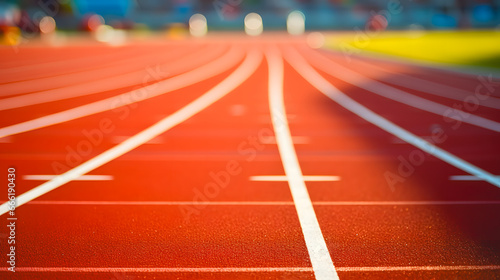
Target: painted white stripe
(249, 65)
(316, 246)
(81, 178)
(161, 269)
(396, 140)
(164, 203)
(467, 178)
(328, 66)
(94, 86)
(262, 203)
(250, 269)
(404, 203)
(119, 139)
(296, 140)
(306, 178)
(419, 268)
(313, 77)
(201, 73)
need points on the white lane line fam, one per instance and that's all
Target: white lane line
(396, 140)
(201, 73)
(316, 246)
(137, 77)
(81, 178)
(467, 178)
(315, 79)
(261, 203)
(250, 269)
(306, 178)
(328, 66)
(236, 78)
(160, 269)
(419, 268)
(298, 140)
(163, 203)
(119, 139)
(405, 203)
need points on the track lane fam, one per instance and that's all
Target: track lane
(123, 69)
(381, 235)
(205, 139)
(431, 85)
(398, 95)
(145, 76)
(240, 74)
(208, 70)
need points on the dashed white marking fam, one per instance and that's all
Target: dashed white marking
(247, 68)
(284, 178)
(467, 178)
(316, 246)
(81, 178)
(313, 77)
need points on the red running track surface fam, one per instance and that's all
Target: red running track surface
(209, 182)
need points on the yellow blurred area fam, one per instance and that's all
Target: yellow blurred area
(10, 35)
(473, 47)
(177, 31)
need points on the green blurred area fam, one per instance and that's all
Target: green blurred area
(478, 48)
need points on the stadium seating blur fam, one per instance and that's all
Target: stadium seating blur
(229, 14)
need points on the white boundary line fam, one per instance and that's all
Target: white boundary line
(395, 94)
(316, 246)
(249, 269)
(199, 74)
(467, 178)
(316, 80)
(262, 203)
(306, 178)
(245, 70)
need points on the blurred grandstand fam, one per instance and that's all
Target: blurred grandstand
(229, 14)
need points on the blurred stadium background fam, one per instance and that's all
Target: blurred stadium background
(458, 32)
(229, 14)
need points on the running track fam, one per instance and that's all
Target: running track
(246, 158)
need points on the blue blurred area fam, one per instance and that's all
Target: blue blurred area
(106, 8)
(229, 14)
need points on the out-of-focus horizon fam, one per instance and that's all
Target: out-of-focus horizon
(230, 14)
